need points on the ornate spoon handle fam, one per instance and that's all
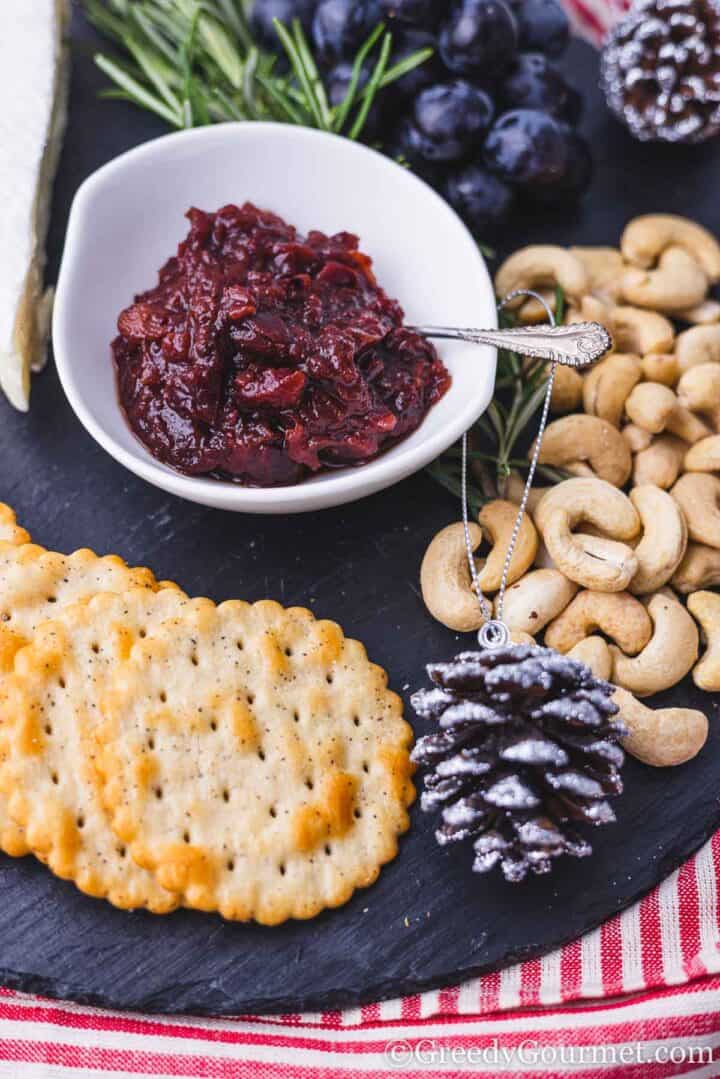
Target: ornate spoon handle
(576, 345)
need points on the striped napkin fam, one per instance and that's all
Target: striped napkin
(665, 949)
(592, 19)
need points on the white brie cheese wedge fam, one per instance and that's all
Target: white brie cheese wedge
(33, 90)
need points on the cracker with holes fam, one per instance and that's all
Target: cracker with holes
(254, 760)
(35, 582)
(50, 709)
(34, 585)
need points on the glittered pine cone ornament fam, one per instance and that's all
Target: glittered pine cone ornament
(661, 70)
(526, 746)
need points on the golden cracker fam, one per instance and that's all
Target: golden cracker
(315, 767)
(254, 760)
(10, 530)
(50, 710)
(34, 584)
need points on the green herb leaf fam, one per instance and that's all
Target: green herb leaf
(404, 66)
(195, 111)
(343, 109)
(222, 49)
(136, 92)
(372, 87)
(157, 70)
(307, 78)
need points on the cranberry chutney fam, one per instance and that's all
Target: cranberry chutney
(263, 356)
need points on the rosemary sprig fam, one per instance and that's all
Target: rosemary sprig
(501, 437)
(194, 62)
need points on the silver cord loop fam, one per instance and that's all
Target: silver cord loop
(494, 633)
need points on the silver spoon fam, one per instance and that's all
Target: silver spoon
(575, 345)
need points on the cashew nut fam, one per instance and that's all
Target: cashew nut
(567, 389)
(661, 367)
(532, 310)
(668, 655)
(541, 265)
(543, 559)
(445, 579)
(646, 238)
(641, 331)
(618, 615)
(587, 439)
(497, 521)
(650, 405)
(536, 599)
(698, 495)
(595, 654)
(705, 607)
(686, 425)
(602, 564)
(636, 438)
(704, 456)
(515, 488)
(664, 540)
(607, 386)
(699, 344)
(579, 468)
(699, 387)
(700, 568)
(604, 267)
(661, 462)
(703, 313)
(591, 309)
(656, 408)
(677, 282)
(661, 737)
(612, 554)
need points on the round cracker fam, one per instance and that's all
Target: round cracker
(50, 707)
(255, 760)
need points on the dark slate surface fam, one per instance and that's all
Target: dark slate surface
(428, 921)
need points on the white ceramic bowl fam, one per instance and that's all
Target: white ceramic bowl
(127, 219)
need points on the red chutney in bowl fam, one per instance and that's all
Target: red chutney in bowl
(263, 356)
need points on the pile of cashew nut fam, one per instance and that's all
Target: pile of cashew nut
(615, 565)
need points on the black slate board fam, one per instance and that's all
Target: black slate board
(428, 921)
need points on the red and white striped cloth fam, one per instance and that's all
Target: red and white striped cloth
(593, 18)
(665, 950)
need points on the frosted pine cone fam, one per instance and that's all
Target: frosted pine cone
(661, 70)
(526, 743)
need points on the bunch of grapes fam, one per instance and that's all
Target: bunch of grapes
(488, 120)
